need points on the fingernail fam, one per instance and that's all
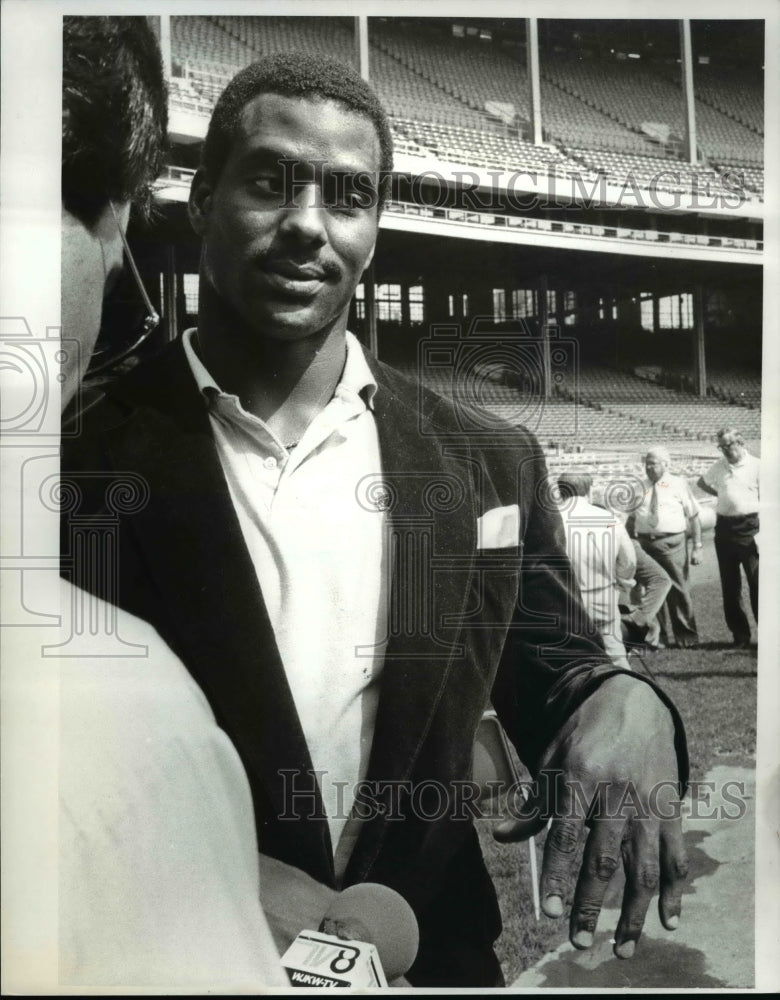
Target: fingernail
(626, 949)
(582, 939)
(553, 906)
(672, 922)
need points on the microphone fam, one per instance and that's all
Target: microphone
(368, 936)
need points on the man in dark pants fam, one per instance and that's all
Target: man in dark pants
(667, 513)
(734, 480)
(297, 488)
(645, 600)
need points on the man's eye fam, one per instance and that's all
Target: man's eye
(347, 203)
(346, 194)
(268, 183)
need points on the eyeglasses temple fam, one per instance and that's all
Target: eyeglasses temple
(147, 301)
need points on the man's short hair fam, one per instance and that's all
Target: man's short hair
(295, 74)
(731, 432)
(574, 484)
(660, 452)
(114, 114)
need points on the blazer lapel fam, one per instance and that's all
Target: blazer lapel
(432, 540)
(195, 552)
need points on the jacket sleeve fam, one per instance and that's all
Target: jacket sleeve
(552, 659)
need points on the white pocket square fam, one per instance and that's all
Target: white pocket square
(499, 528)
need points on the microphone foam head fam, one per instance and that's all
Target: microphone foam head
(378, 915)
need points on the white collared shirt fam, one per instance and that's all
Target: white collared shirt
(737, 485)
(601, 554)
(675, 505)
(319, 555)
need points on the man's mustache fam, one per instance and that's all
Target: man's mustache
(273, 260)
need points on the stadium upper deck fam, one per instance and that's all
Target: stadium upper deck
(460, 114)
(464, 99)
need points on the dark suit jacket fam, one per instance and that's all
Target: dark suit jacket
(495, 624)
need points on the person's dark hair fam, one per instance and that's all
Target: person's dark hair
(114, 114)
(574, 485)
(295, 74)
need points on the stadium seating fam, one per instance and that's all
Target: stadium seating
(734, 92)
(329, 36)
(700, 419)
(607, 406)
(598, 384)
(569, 121)
(657, 173)
(184, 95)
(617, 475)
(749, 177)
(465, 69)
(478, 148)
(634, 94)
(602, 405)
(436, 88)
(739, 387)
(200, 45)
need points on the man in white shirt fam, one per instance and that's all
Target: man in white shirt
(734, 480)
(277, 449)
(667, 513)
(602, 557)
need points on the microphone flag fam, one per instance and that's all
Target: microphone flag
(315, 959)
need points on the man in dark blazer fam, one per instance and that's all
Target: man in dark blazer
(473, 598)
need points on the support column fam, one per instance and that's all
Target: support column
(699, 356)
(165, 44)
(544, 332)
(169, 288)
(361, 45)
(406, 322)
(436, 289)
(480, 300)
(532, 70)
(689, 105)
(372, 337)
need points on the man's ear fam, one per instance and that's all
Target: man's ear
(199, 204)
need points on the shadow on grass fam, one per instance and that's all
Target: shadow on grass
(656, 963)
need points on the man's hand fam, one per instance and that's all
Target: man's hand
(696, 554)
(611, 768)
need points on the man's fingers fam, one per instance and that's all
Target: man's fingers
(527, 816)
(674, 872)
(641, 860)
(508, 831)
(560, 851)
(599, 863)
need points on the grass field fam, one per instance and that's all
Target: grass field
(714, 687)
